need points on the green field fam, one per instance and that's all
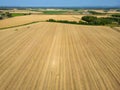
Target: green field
(54, 12)
(17, 14)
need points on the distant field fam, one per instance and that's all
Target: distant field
(53, 56)
(107, 11)
(21, 11)
(17, 14)
(32, 18)
(54, 12)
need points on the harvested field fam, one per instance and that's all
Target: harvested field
(118, 28)
(53, 56)
(21, 11)
(99, 16)
(109, 11)
(32, 18)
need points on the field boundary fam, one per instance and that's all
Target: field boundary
(20, 25)
(115, 29)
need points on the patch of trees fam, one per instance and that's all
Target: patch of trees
(1, 17)
(96, 13)
(5, 15)
(116, 15)
(118, 10)
(91, 20)
(76, 9)
(62, 21)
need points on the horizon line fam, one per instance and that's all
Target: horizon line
(60, 6)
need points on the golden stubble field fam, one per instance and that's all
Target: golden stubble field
(32, 18)
(53, 56)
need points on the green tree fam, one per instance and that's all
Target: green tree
(1, 17)
(8, 14)
(89, 18)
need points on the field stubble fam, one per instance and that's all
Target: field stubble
(53, 56)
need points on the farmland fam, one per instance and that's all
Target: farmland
(54, 56)
(59, 49)
(27, 19)
(32, 18)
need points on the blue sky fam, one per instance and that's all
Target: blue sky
(58, 3)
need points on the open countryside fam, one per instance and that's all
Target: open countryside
(59, 48)
(59, 56)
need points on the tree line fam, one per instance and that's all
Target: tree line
(5, 15)
(92, 20)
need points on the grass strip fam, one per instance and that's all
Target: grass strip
(19, 25)
(115, 29)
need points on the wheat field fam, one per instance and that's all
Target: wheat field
(15, 21)
(53, 56)
(32, 18)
